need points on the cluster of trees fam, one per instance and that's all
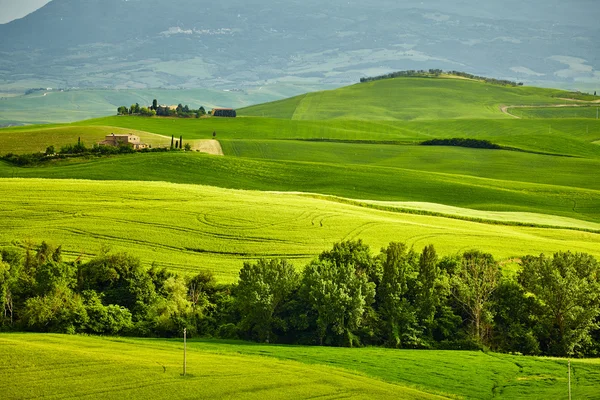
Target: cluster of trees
(345, 297)
(75, 150)
(162, 111)
(438, 72)
(461, 142)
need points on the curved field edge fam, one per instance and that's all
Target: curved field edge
(187, 228)
(485, 217)
(36, 366)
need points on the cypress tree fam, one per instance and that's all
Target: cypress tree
(172, 138)
(181, 142)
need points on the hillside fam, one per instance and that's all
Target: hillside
(408, 99)
(541, 181)
(142, 368)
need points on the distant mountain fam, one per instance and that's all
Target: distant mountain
(236, 43)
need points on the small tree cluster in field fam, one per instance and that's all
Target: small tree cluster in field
(162, 111)
(78, 150)
(437, 72)
(460, 142)
(346, 297)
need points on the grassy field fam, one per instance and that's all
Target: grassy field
(407, 99)
(188, 227)
(37, 365)
(494, 164)
(354, 181)
(572, 137)
(560, 136)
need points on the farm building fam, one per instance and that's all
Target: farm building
(224, 112)
(117, 140)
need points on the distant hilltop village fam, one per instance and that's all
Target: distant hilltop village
(179, 110)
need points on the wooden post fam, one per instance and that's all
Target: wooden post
(569, 379)
(184, 351)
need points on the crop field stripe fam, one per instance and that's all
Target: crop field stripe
(81, 215)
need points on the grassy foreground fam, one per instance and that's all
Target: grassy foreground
(189, 227)
(38, 365)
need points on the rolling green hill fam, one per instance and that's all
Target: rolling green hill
(189, 227)
(407, 99)
(546, 179)
(38, 365)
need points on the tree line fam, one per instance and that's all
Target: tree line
(461, 142)
(346, 296)
(432, 73)
(162, 111)
(76, 150)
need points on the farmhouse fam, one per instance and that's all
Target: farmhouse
(117, 140)
(224, 112)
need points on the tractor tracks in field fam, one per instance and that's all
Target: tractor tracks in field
(582, 103)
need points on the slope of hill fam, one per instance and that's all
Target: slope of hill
(142, 368)
(407, 99)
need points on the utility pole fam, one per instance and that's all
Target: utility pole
(569, 379)
(185, 355)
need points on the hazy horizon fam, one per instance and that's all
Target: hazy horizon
(12, 9)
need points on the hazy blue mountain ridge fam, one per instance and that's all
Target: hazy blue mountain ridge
(235, 44)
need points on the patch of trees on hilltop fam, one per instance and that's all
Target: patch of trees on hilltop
(155, 109)
(432, 73)
(347, 296)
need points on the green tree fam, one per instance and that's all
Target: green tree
(169, 312)
(354, 253)
(262, 292)
(338, 296)
(50, 150)
(515, 319)
(567, 290)
(429, 288)
(101, 319)
(122, 281)
(59, 310)
(154, 104)
(473, 283)
(396, 296)
(188, 147)
(122, 110)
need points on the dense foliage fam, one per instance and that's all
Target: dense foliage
(461, 142)
(345, 297)
(438, 72)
